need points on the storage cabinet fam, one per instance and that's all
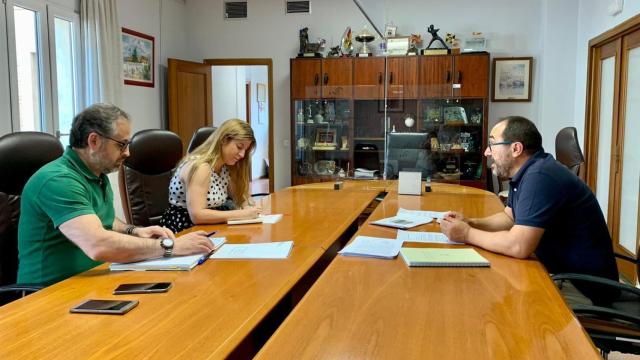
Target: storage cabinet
(414, 113)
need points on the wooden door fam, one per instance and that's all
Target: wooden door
(190, 107)
(305, 78)
(395, 77)
(471, 75)
(337, 78)
(411, 77)
(368, 78)
(435, 76)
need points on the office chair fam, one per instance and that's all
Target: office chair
(199, 137)
(145, 175)
(568, 151)
(408, 152)
(21, 155)
(612, 327)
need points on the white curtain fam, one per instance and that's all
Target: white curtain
(102, 51)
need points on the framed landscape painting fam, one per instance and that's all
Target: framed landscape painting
(137, 58)
(512, 79)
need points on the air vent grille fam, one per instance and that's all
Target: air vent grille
(298, 7)
(235, 9)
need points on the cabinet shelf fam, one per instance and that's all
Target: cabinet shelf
(369, 138)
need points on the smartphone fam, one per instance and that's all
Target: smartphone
(142, 288)
(117, 307)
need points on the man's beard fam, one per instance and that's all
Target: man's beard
(105, 166)
(503, 170)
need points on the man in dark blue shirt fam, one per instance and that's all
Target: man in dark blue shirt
(550, 211)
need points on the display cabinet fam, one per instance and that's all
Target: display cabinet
(409, 113)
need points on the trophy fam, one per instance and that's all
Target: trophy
(364, 37)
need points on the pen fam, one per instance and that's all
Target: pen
(205, 257)
(211, 233)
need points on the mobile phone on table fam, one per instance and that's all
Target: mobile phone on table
(117, 307)
(142, 288)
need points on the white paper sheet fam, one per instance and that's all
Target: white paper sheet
(424, 237)
(368, 246)
(271, 219)
(422, 213)
(273, 250)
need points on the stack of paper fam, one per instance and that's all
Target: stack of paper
(368, 246)
(443, 257)
(273, 250)
(406, 219)
(170, 263)
(422, 213)
(364, 173)
(424, 237)
(266, 219)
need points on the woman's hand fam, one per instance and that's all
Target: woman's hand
(250, 212)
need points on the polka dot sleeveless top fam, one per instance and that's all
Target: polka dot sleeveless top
(216, 195)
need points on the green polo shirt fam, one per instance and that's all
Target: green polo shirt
(60, 191)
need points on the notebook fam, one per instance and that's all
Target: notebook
(367, 246)
(443, 257)
(271, 250)
(183, 263)
(402, 221)
(267, 219)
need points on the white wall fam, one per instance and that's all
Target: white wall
(259, 118)
(224, 91)
(593, 20)
(513, 27)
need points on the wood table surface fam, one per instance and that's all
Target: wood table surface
(362, 308)
(207, 313)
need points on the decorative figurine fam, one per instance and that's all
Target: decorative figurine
(409, 121)
(364, 37)
(308, 49)
(347, 45)
(435, 37)
(334, 52)
(414, 41)
(304, 40)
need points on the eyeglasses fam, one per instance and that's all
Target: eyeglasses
(499, 143)
(123, 144)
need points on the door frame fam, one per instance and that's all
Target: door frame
(269, 64)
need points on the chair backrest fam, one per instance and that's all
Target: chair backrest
(408, 152)
(568, 151)
(199, 137)
(145, 175)
(21, 155)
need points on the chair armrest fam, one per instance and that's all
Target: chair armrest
(627, 258)
(609, 313)
(597, 280)
(25, 288)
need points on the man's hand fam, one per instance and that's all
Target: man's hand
(153, 232)
(454, 215)
(195, 242)
(454, 229)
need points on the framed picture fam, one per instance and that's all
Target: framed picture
(390, 31)
(326, 137)
(261, 91)
(398, 45)
(511, 79)
(137, 58)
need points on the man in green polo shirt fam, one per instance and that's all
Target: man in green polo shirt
(67, 219)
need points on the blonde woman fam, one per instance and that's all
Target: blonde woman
(208, 176)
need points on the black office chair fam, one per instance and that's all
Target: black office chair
(568, 152)
(21, 155)
(145, 175)
(612, 327)
(199, 137)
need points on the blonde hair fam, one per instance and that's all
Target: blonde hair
(210, 153)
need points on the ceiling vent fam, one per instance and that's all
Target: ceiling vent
(298, 7)
(235, 9)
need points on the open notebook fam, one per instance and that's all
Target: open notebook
(171, 263)
(443, 257)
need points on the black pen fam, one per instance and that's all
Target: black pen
(211, 233)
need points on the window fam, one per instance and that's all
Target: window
(43, 66)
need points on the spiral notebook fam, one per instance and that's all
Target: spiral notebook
(443, 257)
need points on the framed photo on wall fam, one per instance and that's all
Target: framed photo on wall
(137, 58)
(511, 79)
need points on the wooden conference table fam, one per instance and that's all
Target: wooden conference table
(362, 308)
(359, 308)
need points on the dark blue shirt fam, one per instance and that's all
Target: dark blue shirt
(545, 194)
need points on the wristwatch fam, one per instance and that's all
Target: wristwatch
(167, 245)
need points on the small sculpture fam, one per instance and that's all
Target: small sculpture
(347, 45)
(434, 36)
(334, 52)
(304, 40)
(414, 41)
